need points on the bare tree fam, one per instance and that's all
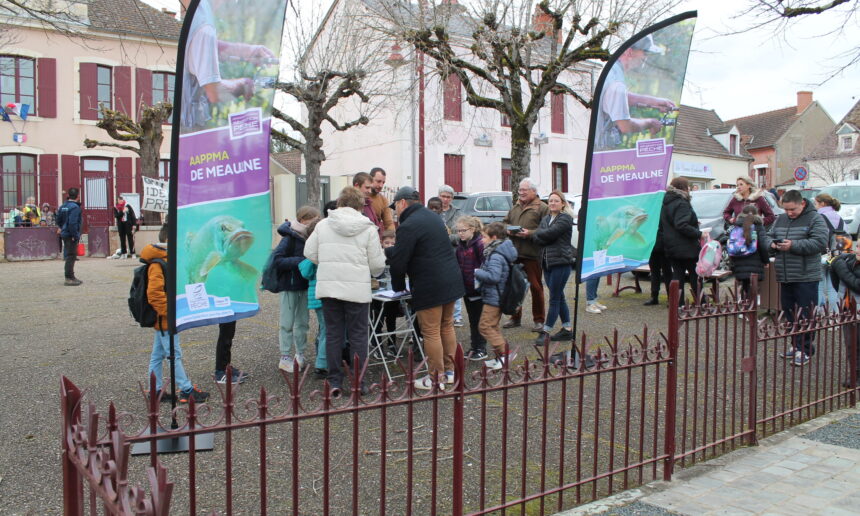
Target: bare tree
(833, 167)
(336, 80)
(781, 15)
(64, 17)
(509, 55)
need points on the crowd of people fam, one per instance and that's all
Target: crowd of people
(331, 262)
(30, 214)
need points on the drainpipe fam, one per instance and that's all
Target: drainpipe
(421, 158)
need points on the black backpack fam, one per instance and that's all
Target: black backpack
(516, 286)
(138, 303)
(269, 280)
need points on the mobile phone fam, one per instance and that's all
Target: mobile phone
(778, 240)
(515, 229)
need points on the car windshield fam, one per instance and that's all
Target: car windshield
(710, 206)
(846, 194)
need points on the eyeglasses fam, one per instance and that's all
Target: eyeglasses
(463, 230)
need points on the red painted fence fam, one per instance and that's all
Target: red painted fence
(537, 438)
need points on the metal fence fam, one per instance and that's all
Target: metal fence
(533, 439)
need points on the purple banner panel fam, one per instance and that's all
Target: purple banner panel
(23, 244)
(618, 173)
(213, 165)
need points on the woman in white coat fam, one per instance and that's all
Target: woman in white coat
(346, 248)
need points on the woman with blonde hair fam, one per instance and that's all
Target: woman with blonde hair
(748, 193)
(470, 256)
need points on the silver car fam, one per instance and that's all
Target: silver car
(848, 194)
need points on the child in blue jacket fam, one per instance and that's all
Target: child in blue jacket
(499, 254)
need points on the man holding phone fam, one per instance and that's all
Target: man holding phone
(799, 237)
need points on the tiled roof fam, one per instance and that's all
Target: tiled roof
(290, 160)
(766, 128)
(692, 133)
(133, 17)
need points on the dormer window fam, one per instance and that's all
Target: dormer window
(733, 144)
(847, 143)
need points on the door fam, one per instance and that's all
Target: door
(96, 192)
(454, 171)
(302, 191)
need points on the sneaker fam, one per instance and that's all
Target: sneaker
(458, 323)
(651, 302)
(537, 327)
(476, 354)
(788, 354)
(195, 393)
(592, 309)
(800, 359)
(539, 340)
(300, 363)
(426, 384)
(287, 364)
(500, 361)
(72, 282)
(321, 374)
(601, 306)
(512, 323)
(562, 335)
(237, 377)
(449, 377)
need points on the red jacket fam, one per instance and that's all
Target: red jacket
(736, 205)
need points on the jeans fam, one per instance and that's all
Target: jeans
(826, 293)
(344, 319)
(321, 361)
(458, 310)
(556, 279)
(160, 352)
(440, 341)
(70, 254)
(293, 336)
(591, 290)
(533, 271)
(474, 308)
(226, 332)
(802, 295)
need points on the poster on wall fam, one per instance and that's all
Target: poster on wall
(630, 147)
(219, 193)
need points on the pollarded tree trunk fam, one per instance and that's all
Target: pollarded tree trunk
(521, 155)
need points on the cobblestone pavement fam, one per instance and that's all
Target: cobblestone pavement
(811, 469)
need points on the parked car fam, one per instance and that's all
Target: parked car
(487, 206)
(575, 201)
(809, 193)
(709, 206)
(848, 193)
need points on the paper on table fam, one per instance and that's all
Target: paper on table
(391, 294)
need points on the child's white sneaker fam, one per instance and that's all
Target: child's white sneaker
(287, 364)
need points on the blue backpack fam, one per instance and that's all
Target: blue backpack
(737, 244)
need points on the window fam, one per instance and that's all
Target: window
(162, 87)
(18, 174)
(559, 176)
(18, 81)
(847, 143)
(557, 112)
(164, 169)
(506, 175)
(453, 101)
(506, 122)
(733, 144)
(104, 85)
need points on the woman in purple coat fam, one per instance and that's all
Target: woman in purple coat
(470, 256)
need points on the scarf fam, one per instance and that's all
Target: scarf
(299, 228)
(489, 248)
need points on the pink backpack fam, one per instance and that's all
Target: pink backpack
(709, 257)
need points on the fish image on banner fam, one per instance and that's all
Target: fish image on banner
(630, 146)
(220, 199)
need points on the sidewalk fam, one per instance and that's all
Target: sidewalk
(813, 468)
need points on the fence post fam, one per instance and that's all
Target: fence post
(459, 401)
(671, 381)
(852, 359)
(749, 364)
(70, 413)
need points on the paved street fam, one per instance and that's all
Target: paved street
(813, 468)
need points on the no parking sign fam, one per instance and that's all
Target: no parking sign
(801, 174)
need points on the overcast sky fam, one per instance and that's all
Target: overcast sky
(750, 73)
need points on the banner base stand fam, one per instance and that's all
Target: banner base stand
(202, 442)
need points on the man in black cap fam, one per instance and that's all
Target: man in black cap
(424, 253)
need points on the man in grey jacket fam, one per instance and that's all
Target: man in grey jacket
(799, 238)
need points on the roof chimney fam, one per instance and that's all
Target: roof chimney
(804, 99)
(544, 22)
(169, 12)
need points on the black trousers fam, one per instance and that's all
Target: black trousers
(685, 272)
(126, 235)
(661, 272)
(344, 318)
(803, 296)
(390, 313)
(70, 254)
(474, 309)
(224, 346)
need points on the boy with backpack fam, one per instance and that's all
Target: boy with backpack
(748, 246)
(499, 255)
(155, 257)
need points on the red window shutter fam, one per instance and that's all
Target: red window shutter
(71, 172)
(557, 108)
(48, 174)
(506, 180)
(453, 102)
(46, 77)
(454, 171)
(122, 90)
(143, 86)
(89, 92)
(564, 178)
(124, 179)
(138, 182)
